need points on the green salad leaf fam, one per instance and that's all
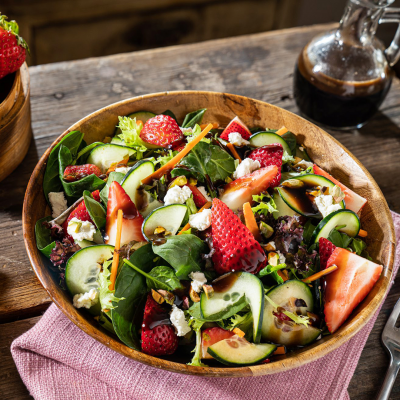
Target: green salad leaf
(83, 154)
(193, 118)
(309, 228)
(131, 135)
(183, 253)
(95, 210)
(162, 160)
(165, 275)
(270, 269)
(266, 204)
(170, 114)
(108, 300)
(339, 239)
(114, 176)
(290, 139)
(44, 241)
(298, 319)
(51, 179)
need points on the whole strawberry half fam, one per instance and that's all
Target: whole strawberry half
(161, 130)
(157, 339)
(74, 173)
(269, 155)
(236, 125)
(81, 213)
(12, 47)
(132, 221)
(234, 244)
(326, 248)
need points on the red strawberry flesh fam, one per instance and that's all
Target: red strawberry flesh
(236, 125)
(198, 197)
(269, 155)
(326, 248)
(211, 336)
(161, 130)
(158, 336)
(234, 244)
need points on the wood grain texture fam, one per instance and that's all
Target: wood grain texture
(65, 92)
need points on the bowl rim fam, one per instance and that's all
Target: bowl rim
(279, 365)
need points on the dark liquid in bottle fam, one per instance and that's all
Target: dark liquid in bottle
(336, 103)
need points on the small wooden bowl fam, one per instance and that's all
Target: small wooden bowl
(222, 107)
(15, 124)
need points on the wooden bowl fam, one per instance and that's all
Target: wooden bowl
(323, 149)
(15, 124)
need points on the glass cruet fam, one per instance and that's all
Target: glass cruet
(342, 76)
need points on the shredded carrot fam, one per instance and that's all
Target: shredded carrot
(283, 275)
(187, 226)
(171, 164)
(215, 125)
(320, 274)
(279, 350)
(238, 332)
(362, 233)
(117, 246)
(281, 131)
(235, 154)
(251, 221)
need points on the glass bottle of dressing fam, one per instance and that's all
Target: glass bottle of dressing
(342, 76)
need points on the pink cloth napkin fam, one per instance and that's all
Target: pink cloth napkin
(57, 360)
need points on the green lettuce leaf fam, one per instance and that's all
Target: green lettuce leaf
(266, 204)
(106, 296)
(298, 319)
(130, 135)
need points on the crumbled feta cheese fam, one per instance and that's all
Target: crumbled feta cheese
(326, 205)
(58, 203)
(200, 221)
(177, 195)
(282, 258)
(198, 280)
(304, 164)
(178, 320)
(247, 166)
(87, 299)
(237, 140)
(122, 170)
(81, 230)
(203, 191)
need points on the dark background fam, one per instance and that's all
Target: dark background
(60, 30)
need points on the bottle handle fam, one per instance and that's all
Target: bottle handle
(392, 15)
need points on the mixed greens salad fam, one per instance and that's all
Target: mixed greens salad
(217, 243)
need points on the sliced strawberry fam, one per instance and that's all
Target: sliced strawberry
(81, 213)
(132, 220)
(269, 155)
(74, 173)
(234, 244)
(161, 130)
(241, 190)
(236, 125)
(158, 338)
(211, 336)
(326, 249)
(353, 201)
(346, 287)
(198, 197)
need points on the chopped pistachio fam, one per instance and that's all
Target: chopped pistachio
(194, 296)
(157, 297)
(208, 290)
(179, 181)
(337, 194)
(192, 181)
(266, 230)
(270, 246)
(159, 230)
(167, 296)
(293, 183)
(273, 259)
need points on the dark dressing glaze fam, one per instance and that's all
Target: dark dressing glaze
(225, 282)
(301, 199)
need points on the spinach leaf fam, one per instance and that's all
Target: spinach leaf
(309, 228)
(177, 171)
(131, 285)
(358, 246)
(114, 176)
(51, 179)
(95, 210)
(193, 118)
(170, 114)
(44, 241)
(83, 154)
(74, 190)
(210, 160)
(290, 139)
(165, 275)
(183, 253)
(339, 239)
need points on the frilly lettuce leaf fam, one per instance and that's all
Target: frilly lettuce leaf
(106, 296)
(130, 135)
(266, 204)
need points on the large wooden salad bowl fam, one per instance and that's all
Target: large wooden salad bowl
(322, 148)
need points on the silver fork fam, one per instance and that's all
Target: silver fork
(391, 339)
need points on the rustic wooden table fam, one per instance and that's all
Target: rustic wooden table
(258, 66)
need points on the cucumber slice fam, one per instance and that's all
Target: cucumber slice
(232, 292)
(337, 218)
(143, 116)
(97, 239)
(169, 217)
(260, 139)
(132, 181)
(238, 351)
(117, 140)
(299, 201)
(82, 269)
(300, 335)
(282, 207)
(107, 154)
